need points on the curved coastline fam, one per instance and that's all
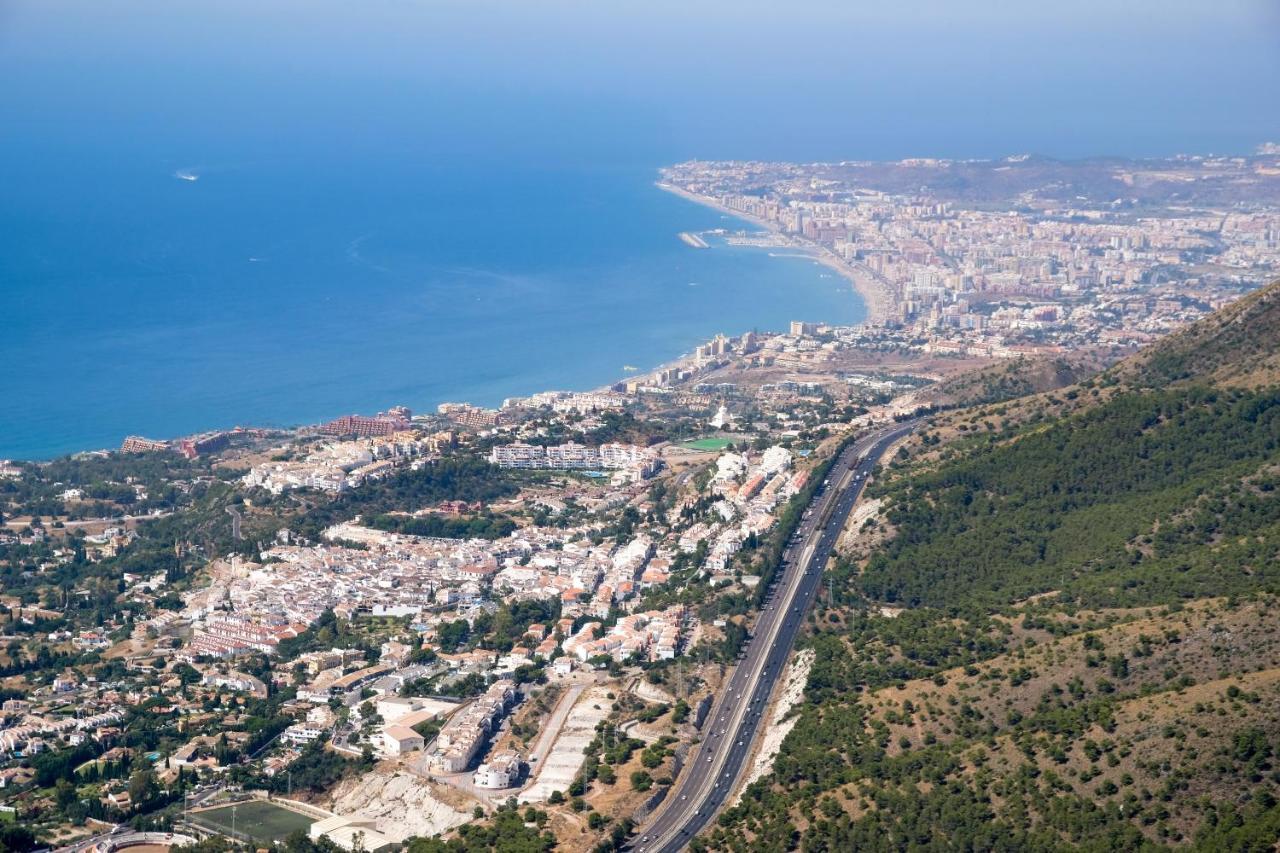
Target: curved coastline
(877, 298)
(736, 291)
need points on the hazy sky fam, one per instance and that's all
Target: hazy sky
(638, 81)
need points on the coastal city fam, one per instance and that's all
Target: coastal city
(1015, 256)
(639, 427)
(459, 651)
(388, 626)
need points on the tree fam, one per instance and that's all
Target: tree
(143, 786)
(15, 838)
(64, 793)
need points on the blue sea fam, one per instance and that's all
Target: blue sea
(273, 213)
(266, 294)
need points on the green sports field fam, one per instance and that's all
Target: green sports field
(261, 821)
(707, 443)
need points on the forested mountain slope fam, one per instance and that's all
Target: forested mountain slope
(1007, 380)
(1065, 635)
(1238, 346)
(1153, 496)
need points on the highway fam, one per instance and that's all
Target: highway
(732, 724)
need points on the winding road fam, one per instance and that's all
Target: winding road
(731, 726)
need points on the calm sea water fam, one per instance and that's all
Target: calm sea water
(402, 202)
(274, 295)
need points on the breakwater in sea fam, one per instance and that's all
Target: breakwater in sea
(878, 301)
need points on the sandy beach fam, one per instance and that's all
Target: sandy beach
(875, 294)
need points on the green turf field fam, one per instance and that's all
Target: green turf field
(708, 443)
(261, 821)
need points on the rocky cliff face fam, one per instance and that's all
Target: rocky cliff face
(402, 804)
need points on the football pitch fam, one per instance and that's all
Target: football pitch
(708, 444)
(256, 819)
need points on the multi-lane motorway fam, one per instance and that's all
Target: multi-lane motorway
(734, 719)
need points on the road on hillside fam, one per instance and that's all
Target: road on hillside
(731, 725)
(87, 522)
(236, 520)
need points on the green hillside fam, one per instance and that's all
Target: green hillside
(1010, 379)
(1061, 631)
(1235, 346)
(1114, 506)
